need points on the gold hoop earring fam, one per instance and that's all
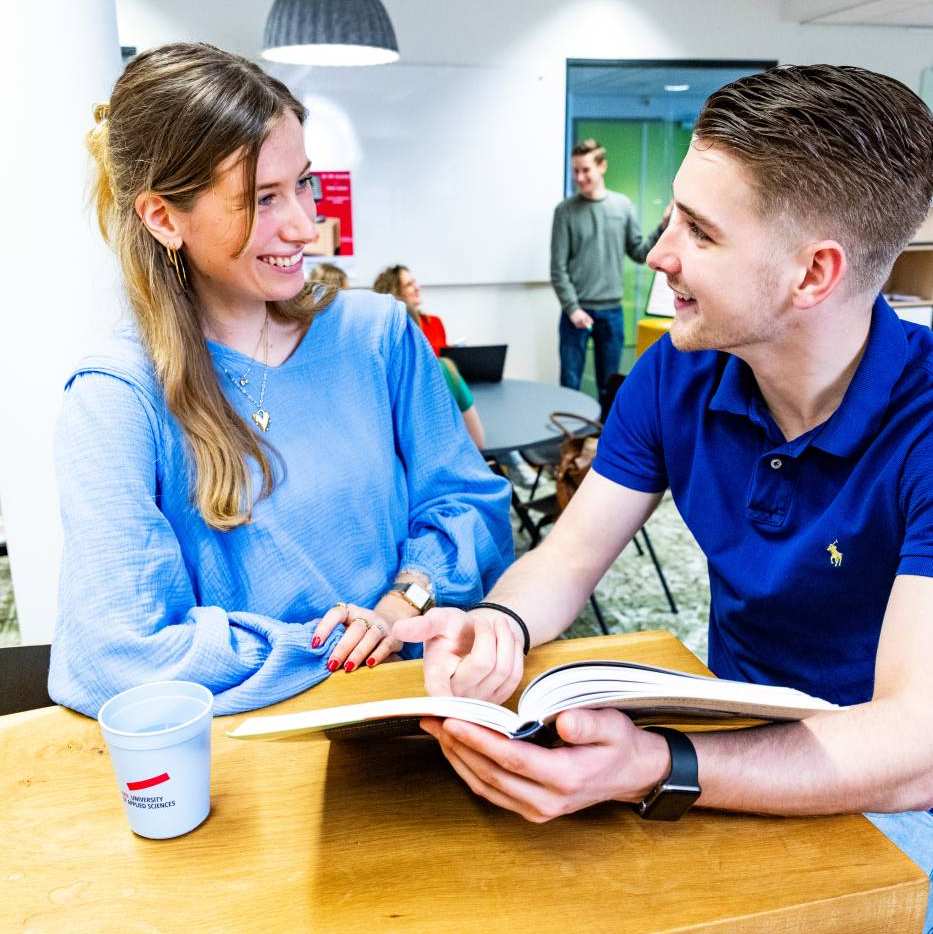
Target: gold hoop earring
(178, 264)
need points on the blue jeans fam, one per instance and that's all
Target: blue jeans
(912, 833)
(608, 334)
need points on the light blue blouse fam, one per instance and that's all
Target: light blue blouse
(377, 475)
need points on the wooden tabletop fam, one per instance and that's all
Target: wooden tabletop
(309, 836)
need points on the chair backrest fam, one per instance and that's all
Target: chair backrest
(24, 678)
(613, 384)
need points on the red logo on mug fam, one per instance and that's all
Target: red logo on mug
(147, 782)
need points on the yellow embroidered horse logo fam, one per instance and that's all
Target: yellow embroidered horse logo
(835, 555)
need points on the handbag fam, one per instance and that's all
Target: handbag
(576, 454)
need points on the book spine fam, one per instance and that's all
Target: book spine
(536, 732)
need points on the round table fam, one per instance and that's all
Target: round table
(515, 412)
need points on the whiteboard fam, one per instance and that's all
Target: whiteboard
(456, 170)
(660, 298)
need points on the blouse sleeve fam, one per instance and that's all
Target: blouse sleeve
(128, 613)
(459, 533)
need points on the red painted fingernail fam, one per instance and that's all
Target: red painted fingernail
(370, 662)
(315, 642)
(349, 667)
(333, 665)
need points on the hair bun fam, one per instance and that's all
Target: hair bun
(101, 112)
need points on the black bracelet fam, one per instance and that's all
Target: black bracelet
(504, 609)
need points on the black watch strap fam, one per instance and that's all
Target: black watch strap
(672, 797)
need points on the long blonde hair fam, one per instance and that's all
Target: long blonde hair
(176, 113)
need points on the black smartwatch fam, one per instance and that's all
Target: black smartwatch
(673, 796)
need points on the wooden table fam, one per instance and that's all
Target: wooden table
(307, 836)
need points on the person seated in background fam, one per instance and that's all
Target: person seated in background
(790, 412)
(398, 281)
(329, 274)
(464, 399)
(254, 487)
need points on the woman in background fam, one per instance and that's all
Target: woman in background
(254, 487)
(398, 281)
(329, 274)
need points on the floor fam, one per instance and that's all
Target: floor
(630, 595)
(9, 630)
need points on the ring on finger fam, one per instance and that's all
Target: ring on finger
(384, 632)
(359, 619)
(343, 606)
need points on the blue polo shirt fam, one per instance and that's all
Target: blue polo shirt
(804, 538)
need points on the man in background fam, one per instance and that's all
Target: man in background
(592, 233)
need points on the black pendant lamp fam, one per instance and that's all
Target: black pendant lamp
(329, 32)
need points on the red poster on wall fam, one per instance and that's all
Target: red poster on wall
(334, 215)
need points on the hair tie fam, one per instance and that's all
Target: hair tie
(101, 112)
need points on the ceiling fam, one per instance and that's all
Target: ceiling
(630, 80)
(912, 13)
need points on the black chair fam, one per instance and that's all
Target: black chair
(545, 458)
(24, 678)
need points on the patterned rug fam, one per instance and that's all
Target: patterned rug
(630, 595)
(9, 628)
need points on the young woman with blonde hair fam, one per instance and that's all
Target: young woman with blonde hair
(245, 475)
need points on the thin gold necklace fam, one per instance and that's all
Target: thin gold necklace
(261, 416)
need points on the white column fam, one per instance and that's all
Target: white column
(59, 282)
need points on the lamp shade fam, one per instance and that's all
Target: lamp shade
(329, 32)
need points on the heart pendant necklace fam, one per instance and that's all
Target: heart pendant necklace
(260, 417)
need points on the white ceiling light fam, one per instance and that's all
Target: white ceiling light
(674, 88)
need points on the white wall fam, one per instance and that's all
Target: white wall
(60, 284)
(525, 41)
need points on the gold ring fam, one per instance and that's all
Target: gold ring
(344, 607)
(359, 619)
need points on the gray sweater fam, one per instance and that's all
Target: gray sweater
(589, 240)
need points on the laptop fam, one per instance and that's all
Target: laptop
(479, 364)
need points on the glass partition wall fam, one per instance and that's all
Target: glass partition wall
(643, 113)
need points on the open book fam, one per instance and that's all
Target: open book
(647, 694)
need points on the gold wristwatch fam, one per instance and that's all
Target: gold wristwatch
(417, 596)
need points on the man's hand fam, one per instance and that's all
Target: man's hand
(476, 654)
(580, 319)
(607, 758)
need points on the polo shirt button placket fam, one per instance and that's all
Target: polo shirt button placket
(771, 494)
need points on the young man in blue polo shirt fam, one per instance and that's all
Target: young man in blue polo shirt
(790, 413)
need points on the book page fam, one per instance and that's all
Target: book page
(334, 718)
(633, 687)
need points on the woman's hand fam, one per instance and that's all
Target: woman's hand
(367, 639)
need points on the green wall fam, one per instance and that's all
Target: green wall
(643, 157)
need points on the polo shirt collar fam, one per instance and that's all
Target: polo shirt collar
(864, 403)
(737, 388)
(859, 415)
